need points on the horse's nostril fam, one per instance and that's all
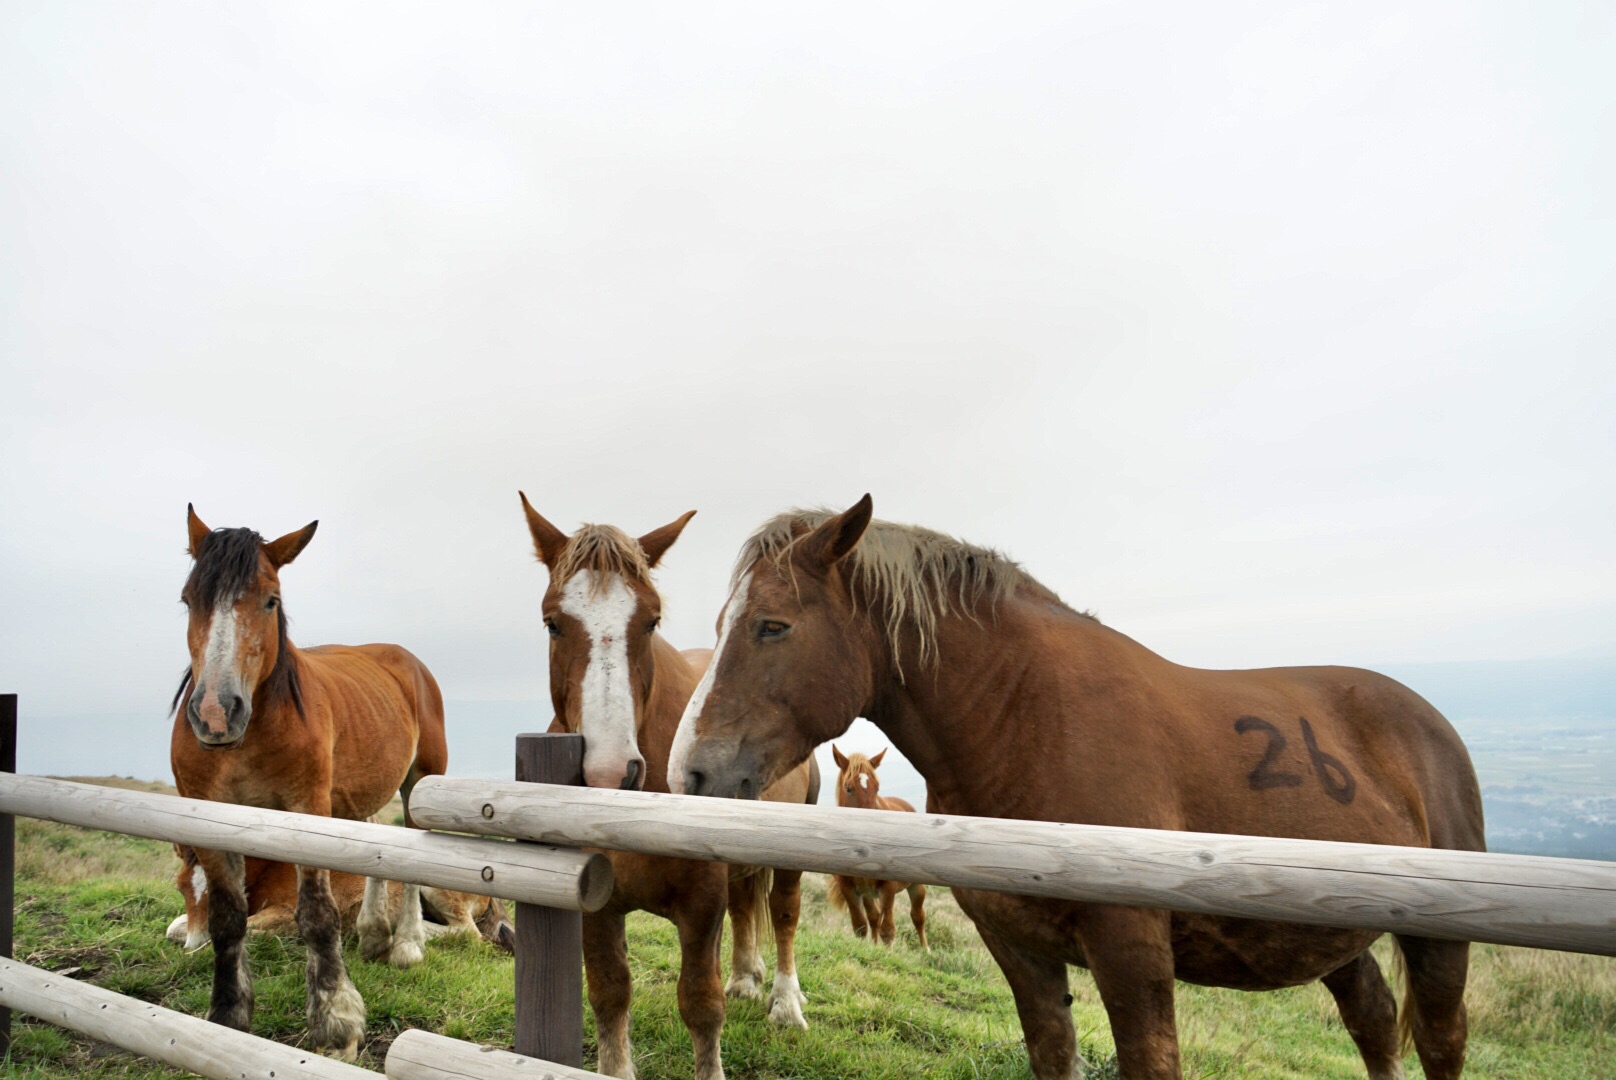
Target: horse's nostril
(631, 782)
(693, 782)
(746, 789)
(237, 704)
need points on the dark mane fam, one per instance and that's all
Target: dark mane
(227, 567)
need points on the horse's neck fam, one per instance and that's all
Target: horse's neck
(673, 680)
(963, 720)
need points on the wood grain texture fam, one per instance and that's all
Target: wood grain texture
(526, 873)
(1567, 904)
(549, 941)
(420, 1055)
(187, 1042)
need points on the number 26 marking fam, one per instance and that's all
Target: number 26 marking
(1333, 776)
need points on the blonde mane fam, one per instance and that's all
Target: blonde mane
(908, 576)
(604, 549)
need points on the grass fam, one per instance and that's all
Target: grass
(95, 905)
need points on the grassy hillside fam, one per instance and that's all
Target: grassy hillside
(96, 904)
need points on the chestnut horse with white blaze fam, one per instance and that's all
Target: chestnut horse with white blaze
(870, 901)
(333, 731)
(1012, 704)
(620, 684)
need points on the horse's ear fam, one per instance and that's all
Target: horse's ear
(875, 762)
(656, 542)
(284, 550)
(841, 759)
(830, 543)
(198, 531)
(548, 540)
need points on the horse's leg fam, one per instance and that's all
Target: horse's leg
(375, 927)
(872, 914)
(1130, 952)
(1436, 981)
(701, 996)
(336, 1012)
(1370, 1014)
(855, 911)
(889, 926)
(917, 913)
(746, 969)
(785, 907)
(1041, 992)
(610, 988)
(409, 935)
(232, 1000)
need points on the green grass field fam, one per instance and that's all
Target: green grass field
(95, 905)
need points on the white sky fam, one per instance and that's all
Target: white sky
(1274, 333)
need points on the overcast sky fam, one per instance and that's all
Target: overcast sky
(1274, 333)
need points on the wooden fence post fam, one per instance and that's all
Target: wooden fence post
(8, 852)
(549, 941)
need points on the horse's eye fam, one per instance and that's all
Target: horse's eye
(656, 622)
(769, 628)
(555, 631)
(850, 789)
(272, 603)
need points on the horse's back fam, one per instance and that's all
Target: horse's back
(1352, 736)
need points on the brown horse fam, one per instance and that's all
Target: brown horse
(618, 682)
(1012, 704)
(870, 902)
(271, 889)
(332, 731)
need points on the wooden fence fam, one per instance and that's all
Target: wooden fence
(1564, 904)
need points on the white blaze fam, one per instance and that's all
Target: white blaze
(686, 735)
(220, 652)
(606, 708)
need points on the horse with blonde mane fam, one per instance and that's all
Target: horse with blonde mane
(618, 682)
(869, 902)
(1012, 704)
(332, 731)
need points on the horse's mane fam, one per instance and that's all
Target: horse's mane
(906, 575)
(603, 549)
(225, 568)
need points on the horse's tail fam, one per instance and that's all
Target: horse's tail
(1405, 1014)
(762, 920)
(835, 894)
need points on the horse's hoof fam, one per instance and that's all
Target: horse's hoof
(786, 1001)
(375, 945)
(349, 1053)
(406, 954)
(747, 986)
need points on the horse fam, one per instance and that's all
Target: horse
(271, 889)
(623, 686)
(1012, 704)
(331, 731)
(870, 902)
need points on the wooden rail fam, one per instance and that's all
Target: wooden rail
(527, 873)
(187, 1042)
(421, 1055)
(1548, 903)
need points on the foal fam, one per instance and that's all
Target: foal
(332, 731)
(870, 902)
(618, 682)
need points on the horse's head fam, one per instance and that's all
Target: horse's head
(794, 665)
(601, 611)
(237, 628)
(857, 785)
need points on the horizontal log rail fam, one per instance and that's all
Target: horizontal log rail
(187, 1042)
(421, 1055)
(1567, 904)
(552, 877)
